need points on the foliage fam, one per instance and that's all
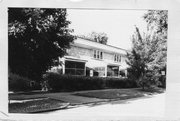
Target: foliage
(19, 83)
(59, 82)
(100, 37)
(149, 53)
(158, 24)
(37, 38)
(157, 20)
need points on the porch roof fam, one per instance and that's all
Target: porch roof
(71, 58)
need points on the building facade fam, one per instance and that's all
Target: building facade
(88, 58)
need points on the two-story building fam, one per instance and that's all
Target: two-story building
(89, 58)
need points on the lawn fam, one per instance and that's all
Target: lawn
(38, 102)
(26, 96)
(121, 94)
(34, 106)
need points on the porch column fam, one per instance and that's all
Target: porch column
(91, 72)
(106, 71)
(63, 66)
(126, 73)
(85, 69)
(118, 71)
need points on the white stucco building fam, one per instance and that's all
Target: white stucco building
(89, 58)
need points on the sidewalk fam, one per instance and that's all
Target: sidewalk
(153, 107)
(74, 99)
(142, 105)
(68, 97)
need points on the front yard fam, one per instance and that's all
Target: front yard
(115, 94)
(39, 102)
(120, 94)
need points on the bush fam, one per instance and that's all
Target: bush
(19, 83)
(120, 83)
(162, 79)
(59, 82)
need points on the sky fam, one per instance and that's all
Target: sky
(119, 25)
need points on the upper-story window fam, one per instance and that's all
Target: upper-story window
(98, 54)
(117, 58)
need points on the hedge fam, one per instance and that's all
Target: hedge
(59, 82)
(19, 83)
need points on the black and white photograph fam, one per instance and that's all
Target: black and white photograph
(62, 58)
(87, 61)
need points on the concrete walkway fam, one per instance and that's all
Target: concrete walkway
(153, 106)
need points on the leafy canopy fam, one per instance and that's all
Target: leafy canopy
(37, 38)
(149, 52)
(100, 37)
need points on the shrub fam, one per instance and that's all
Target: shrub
(72, 83)
(19, 83)
(162, 79)
(120, 83)
(59, 82)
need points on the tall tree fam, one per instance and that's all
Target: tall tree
(157, 20)
(149, 52)
(37, 37)
(158, 25)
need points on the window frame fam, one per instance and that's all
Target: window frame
(75, 69)
(117, 58)
(98, 54)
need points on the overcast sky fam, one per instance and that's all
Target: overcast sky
(119, 25)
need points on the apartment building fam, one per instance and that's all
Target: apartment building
(89, 58)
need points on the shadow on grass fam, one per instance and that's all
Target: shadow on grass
(119, 96)
(36, 106)
(109, 102)
(108, 96)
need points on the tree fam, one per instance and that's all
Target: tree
(149, 53)
(100, 37)
(37, 37)
(139, 60)
(158, 25)
(157, 20)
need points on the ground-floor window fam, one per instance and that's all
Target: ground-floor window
(99, 71)
(122, 73)
(112, 71)
(74, 68)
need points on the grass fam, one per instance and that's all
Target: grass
(36, 106)
(121, 94)
(51, 101)
(26, 96)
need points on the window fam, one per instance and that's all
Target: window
(74, 68)
(100, 71)
(94, 53)
(112, 71)
(101, 55)
(98, 54)
(117, 58)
